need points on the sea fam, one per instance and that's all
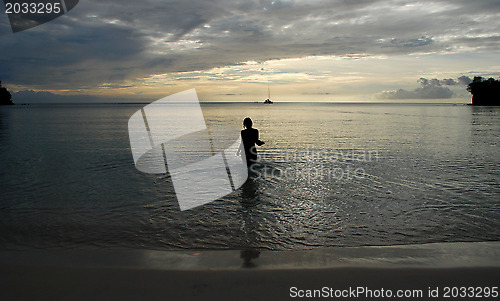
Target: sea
(329, 175)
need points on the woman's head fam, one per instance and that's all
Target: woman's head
(247, 123)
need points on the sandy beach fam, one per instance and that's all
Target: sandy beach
(250, 150)
(420, 271)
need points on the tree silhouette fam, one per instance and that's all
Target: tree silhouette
(5, 96)
(485, 92)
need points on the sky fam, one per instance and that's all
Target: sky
(304, 50)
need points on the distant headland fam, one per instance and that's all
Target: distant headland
(5, 96)
(485, 92)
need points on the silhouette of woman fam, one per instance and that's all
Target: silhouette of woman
(250, 137)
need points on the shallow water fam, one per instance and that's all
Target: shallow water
(330, 175)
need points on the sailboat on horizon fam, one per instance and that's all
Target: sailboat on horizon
(268, 100)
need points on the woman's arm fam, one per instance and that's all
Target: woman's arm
(257, 141)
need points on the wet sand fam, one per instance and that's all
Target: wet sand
(268, 275)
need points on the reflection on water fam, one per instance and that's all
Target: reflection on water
(67, 179)
(4, 124)
(249, 200)
(249, 191)
(248, 256)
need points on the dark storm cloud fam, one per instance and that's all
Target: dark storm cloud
(103, 42)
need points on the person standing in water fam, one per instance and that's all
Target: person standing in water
(249, 138)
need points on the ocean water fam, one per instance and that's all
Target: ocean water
(329, 175)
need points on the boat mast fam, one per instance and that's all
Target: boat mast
(268, 93)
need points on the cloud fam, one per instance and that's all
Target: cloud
(437, 82)
(430, 89)
(464, 80)
(33, 97)
(30, 96)
(112, 42)
(448, 82)
(409, 43)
